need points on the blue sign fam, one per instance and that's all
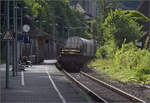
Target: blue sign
(26, 39)
(20, 37)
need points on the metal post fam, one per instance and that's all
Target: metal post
(68, 32)
(0, 48)
(8, 48)
(0, 51)
(31, 49)
(63, 31)
(14, 21)
(16, 46)
(21, 18)
(48, 57)
(21, 32)
(54, 41)
(0, 34)
(7, 64)
(40, 25)
(48, 50)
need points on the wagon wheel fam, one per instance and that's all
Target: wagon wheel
(76, 67)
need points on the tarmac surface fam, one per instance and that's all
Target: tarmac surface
(40, 84)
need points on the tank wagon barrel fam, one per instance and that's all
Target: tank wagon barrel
(76, 52)
(85, 46)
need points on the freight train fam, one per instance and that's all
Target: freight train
(75, 53)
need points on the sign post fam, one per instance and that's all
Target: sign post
(8, 47)
(0, 45)
(7, 37)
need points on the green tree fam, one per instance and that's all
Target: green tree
(136, 16)
(104, 8)
(119, 26)
(58, 12)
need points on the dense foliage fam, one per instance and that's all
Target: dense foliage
(130, 58)
(106, 51)
(118, 26)
(61, 13)
(135, 15)
(105, 6)
(129, 64)
(118, 56)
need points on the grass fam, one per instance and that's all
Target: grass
(108, 68)
(100, 63)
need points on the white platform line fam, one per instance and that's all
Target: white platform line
(22, 78)
(55, 87)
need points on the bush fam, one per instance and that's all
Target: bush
(120, 31)
(119, 27)
(125, 56)
(106, 51)
(101, 52)
(131, 58)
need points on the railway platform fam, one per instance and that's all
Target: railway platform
(40, 84)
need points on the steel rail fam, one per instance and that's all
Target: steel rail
(113, 88)
(146, 86)
(93, 95)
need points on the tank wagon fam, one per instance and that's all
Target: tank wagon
(76, 52)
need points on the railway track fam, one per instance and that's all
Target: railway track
(100, 91)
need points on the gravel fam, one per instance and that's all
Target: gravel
(131, 88)
(102, 91)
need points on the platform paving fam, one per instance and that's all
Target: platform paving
(38, 87)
